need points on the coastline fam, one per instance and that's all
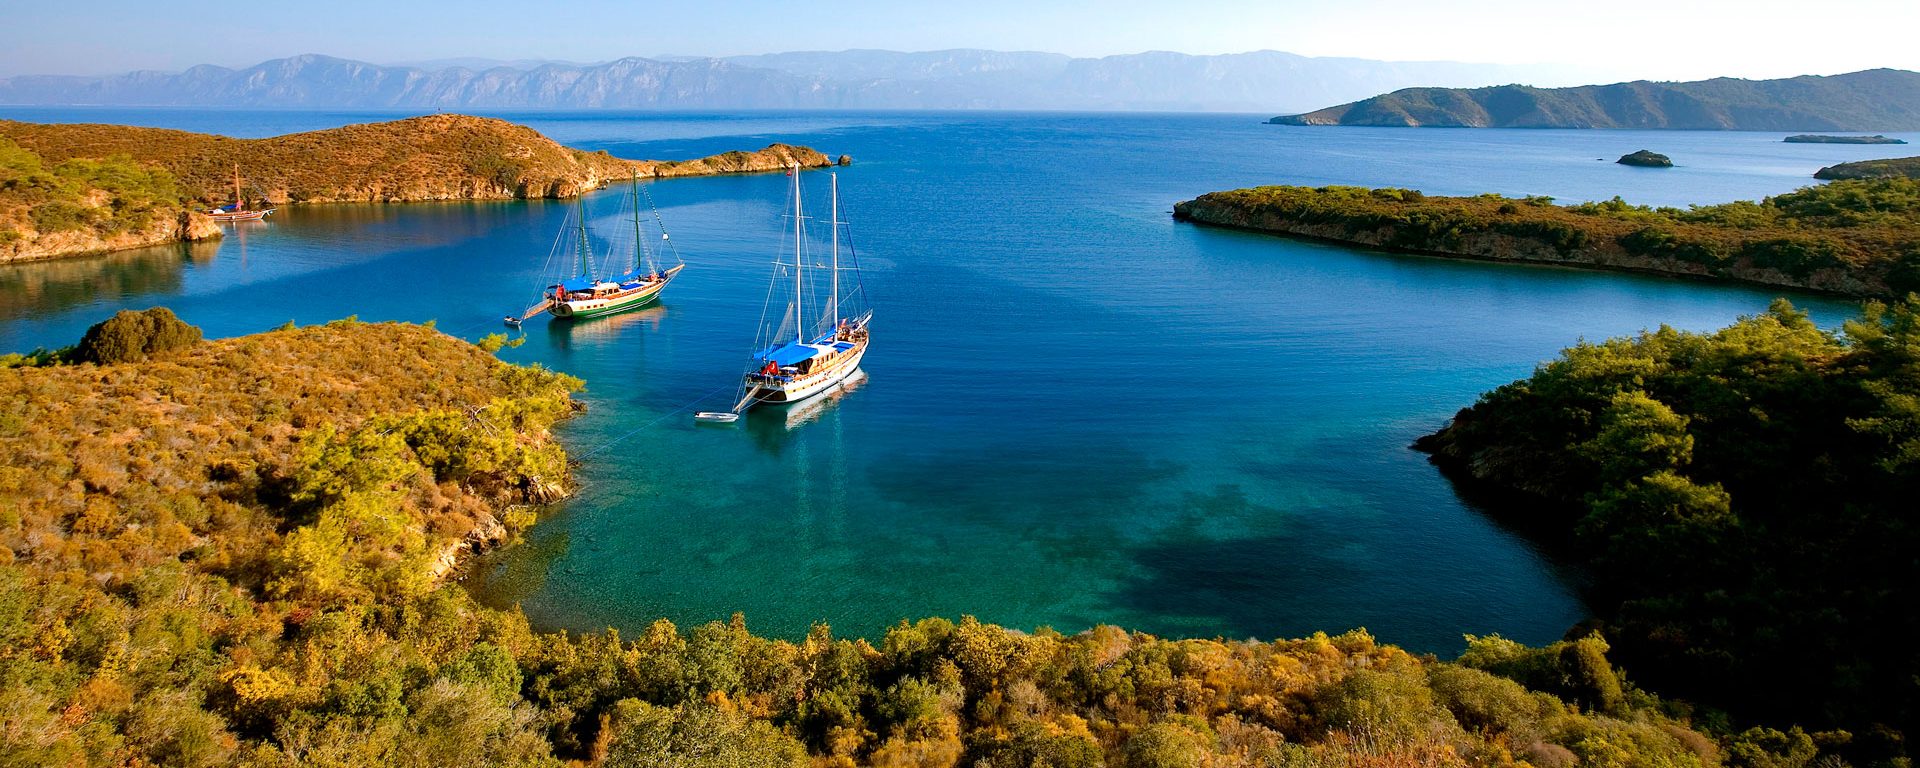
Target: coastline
(436, 158)
(1520, 260)
(1788, 250)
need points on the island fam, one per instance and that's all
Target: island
(1856, 238)
(235, 552)
(1809, 138)
(1741, 500)
(90, 187)
(1895, 168)
(1646, 159)
(1875, 99)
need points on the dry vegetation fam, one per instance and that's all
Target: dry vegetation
(80, 205)
(437, 157)
(221, 555)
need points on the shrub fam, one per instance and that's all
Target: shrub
(131, 336)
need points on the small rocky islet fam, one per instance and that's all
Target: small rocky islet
(1811, 138)
(1646, 158)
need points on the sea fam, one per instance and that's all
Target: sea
(1075, 411)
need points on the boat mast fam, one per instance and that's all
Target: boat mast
(834, 298)
(799, 330)
(586, 264)
(238, 204)
(637, 245)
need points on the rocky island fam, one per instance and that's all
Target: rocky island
(1859, 238)
(1809, 138)
(1876, 99)
(85, 188)
(1895, 168)
(1645, 159)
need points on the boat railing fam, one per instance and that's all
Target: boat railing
(802, 378)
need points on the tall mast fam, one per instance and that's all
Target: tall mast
(586, 264)
(636, 219)
(834, 298)
(799, 329)
(238, 204)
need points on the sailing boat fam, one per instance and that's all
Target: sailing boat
(587, 294)
(817, 357)
(238, 210)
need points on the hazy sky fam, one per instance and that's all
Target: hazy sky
(1670, 39)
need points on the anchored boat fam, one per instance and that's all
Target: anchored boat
(799, 356)
(238, 211)
(588, 294)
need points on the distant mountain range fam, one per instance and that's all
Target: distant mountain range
(1873, 100)
(860, 79)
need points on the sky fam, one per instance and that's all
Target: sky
(1617, 39)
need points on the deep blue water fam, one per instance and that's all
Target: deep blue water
(1077, 411)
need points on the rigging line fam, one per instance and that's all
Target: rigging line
(663, 417)
(859, 278)
(646, 190)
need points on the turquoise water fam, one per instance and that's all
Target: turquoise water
(1077, 411)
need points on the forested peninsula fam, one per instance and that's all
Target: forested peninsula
(1744, 501)
(1870, 100)
(225, 553)
(1899, 167)
(67, 189)
(1856, 238)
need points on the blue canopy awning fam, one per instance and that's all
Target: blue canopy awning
(581, 283)
(790, 353)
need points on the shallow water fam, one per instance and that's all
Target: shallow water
(1076, 411)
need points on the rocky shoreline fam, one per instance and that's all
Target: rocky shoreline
(187, 227)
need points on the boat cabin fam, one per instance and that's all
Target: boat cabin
(794, 359)
(584, 287)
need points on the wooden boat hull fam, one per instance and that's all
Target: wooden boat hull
(813, 386)
(589, 308)
(241, 215)
(581, 309)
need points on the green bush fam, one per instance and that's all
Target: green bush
(131, 336)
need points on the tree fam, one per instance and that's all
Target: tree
(696, 735)
(131, 336)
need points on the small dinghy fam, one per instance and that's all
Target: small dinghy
(716, 417)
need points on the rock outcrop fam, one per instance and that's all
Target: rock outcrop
(27, 244)
(1646, 158)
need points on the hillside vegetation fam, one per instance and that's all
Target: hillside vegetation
(81, 205)
(1858, 238)
(1896, 168)
(1745, 500)
(224, 555)
(1877, 99)
(436, 157)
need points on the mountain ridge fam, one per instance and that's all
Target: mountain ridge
(1257, 81)
(1873, 99)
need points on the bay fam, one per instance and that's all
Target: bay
(1077, 411)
